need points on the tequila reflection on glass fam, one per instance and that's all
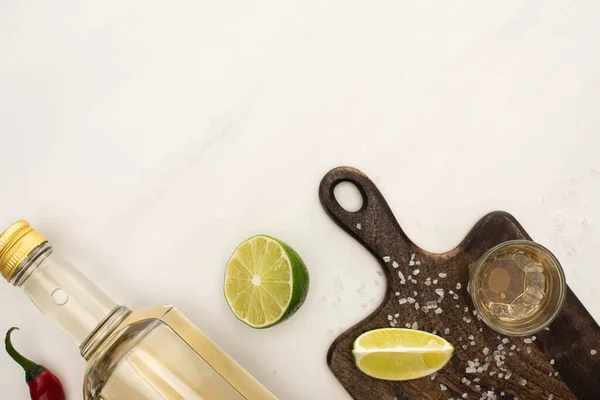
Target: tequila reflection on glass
(518, 287)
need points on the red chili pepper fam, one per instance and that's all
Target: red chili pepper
(43, 385)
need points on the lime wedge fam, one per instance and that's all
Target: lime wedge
(265, 281)
(400, 354)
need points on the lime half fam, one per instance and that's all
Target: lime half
(400, 354)
(265, 281)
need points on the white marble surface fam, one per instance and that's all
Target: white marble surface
(147, 139)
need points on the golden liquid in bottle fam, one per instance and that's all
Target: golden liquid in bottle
(163, 356)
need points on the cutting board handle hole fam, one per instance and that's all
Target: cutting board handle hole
(348, 196)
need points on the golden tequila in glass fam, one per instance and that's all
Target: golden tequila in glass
(518, 287)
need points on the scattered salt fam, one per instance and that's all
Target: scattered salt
(438, 311)
(442, 275)
(593, 352)
(523, 382)
(412, 256)
(446, 331)
(439, 291)
(458, 285)
(486, 351)
(386, 258)
(472, 343)
(358, 226)
(402, 301)
(527, 340)
(464, 396)
(413, 281)
(505, 340)
(471, 337)
(410, 300)
(435, 281)
(442, 387)
(416, 271)
(552, 362)
(395, 264)
(432, 304)
(415, 325)
(417, 305)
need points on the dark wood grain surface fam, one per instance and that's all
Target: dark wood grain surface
(574, 373)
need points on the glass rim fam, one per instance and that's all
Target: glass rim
(561, 286)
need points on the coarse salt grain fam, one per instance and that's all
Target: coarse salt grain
(458, 285)
(435, 281)
(446, 331)
(442, 387)
(485, 351)
(471, 337)
(411, 263)
(412, 256)
(358, 226)
(432, 304)
(505, 340)
(523, 382)
(552, 362)
(472, 343)
(395, 264)
(513, 347)
(438, 311)
(442, 275)
(410, 300)
(402, 301)
(593, 352)
(455, 297)
(417, 305)
(413, 281)
(527, 340)
(417, 262)
(415, 325)
(386, 258)
(416, 271)
(464, 396)
(439, 291)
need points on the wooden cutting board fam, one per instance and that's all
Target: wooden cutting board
(574, 372)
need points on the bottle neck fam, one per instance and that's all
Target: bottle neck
(71, 300)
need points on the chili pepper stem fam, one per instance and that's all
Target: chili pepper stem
(31, 368)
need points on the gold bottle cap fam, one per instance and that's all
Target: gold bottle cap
(16, 243)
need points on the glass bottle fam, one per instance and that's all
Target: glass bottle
(154, 353)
